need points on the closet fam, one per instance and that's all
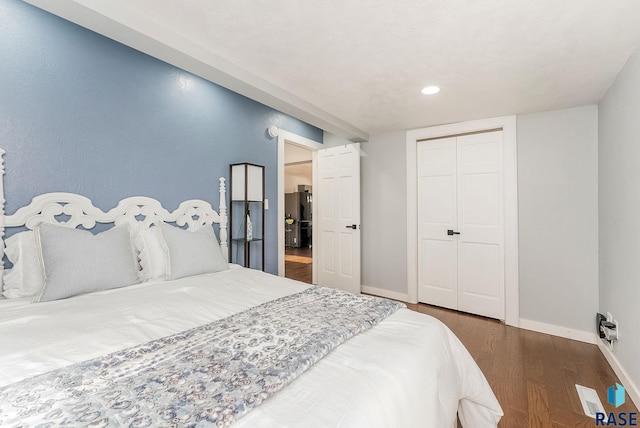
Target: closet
(460, 190)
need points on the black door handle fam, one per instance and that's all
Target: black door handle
(450, 232)
(353, 226)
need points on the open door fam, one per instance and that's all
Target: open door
(337, 241)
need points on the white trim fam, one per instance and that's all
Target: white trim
(314, 230)
(300, 141)
(2, 220)
(556, 330)
(625, 380)
(403, 297)
(508, 125)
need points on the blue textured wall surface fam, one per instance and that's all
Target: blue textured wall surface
(82, 113)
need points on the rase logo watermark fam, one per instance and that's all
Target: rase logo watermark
(616, 397)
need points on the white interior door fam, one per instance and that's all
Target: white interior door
(481, 224)
(437, 251)
(461, 223)
(337, 196)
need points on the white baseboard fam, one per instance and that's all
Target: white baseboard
(403, 297)
(629, 386)
(554, 330)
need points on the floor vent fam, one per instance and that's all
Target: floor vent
(591, 403)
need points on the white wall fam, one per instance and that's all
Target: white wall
(291, 182)
(384, 218)
(619, 187)
(293, 153)
(332, 140)
(558, 217)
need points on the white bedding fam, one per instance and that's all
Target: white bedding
(407, 371)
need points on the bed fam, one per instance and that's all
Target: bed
(228, 346)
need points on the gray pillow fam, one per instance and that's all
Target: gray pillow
(192, 253)
(76, 261)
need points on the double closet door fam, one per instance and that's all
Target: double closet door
(461, 223)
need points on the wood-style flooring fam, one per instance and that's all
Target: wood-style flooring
(298, 271)
(532, 374)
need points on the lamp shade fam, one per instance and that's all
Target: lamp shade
(247, 178)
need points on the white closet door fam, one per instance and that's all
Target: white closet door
(438, 269)
(481, 224)
(460, 191)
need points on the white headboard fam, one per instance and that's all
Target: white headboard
(72, 210)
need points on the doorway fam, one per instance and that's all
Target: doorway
(461, 223)
(335, 223)
(509, 208)
(298, 207)
(305, 148)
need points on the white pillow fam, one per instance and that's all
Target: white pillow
(76, 261)
(25, 278)
(192, 253)
(152, 254)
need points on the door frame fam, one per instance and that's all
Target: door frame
(300, 141)
(508, 126)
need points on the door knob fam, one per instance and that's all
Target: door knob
(450, 232)
(353, 226)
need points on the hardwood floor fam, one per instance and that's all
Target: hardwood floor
(295, 269)
(532, 374)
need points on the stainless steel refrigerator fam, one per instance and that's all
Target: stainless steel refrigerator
(298, 206)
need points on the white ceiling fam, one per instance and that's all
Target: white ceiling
(304, 170)
(356, 67)
(296, 154)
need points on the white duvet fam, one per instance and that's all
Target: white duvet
(407, 371)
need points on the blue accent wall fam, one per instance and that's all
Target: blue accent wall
(82, 113)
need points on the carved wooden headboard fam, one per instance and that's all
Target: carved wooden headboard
(72, 210)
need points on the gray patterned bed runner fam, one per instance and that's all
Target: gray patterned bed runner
(207, 376)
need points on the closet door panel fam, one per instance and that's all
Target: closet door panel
(437, 252)
(480, 220)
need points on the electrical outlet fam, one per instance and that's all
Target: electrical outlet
(609, 317)
(613, 335)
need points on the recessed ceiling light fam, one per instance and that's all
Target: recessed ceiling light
(430, 90)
